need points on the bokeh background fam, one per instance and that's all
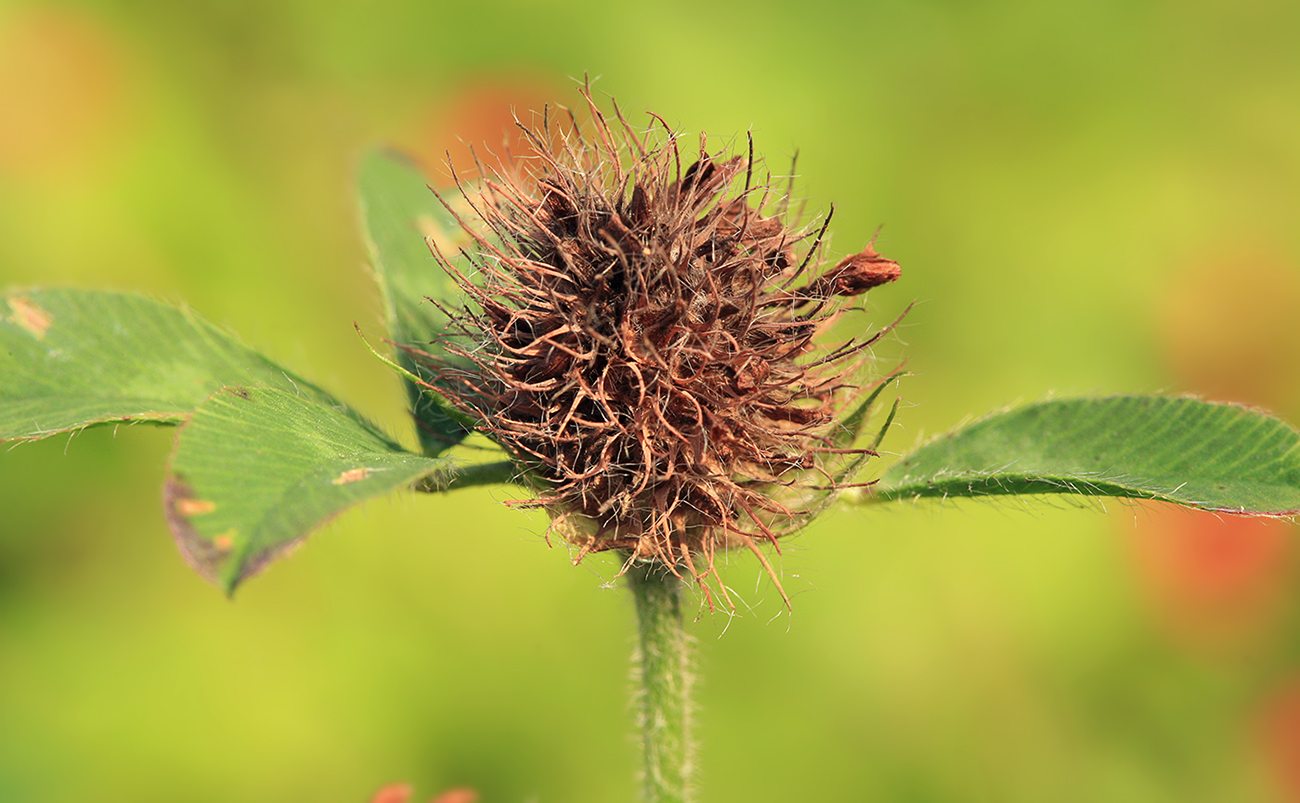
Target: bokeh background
(1084, 196)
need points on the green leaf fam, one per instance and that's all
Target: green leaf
(1212, 456)
(400, 213)
(255, 469)
(75, 358)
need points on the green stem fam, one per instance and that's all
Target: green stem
(664, 677)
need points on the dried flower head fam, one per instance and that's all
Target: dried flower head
(642, 336)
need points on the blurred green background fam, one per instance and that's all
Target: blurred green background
(1084, 196)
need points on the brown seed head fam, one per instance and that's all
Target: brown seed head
(641, 336)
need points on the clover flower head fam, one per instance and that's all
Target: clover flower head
(644, 334)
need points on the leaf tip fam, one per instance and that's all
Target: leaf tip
(229, 583)
(220, 559)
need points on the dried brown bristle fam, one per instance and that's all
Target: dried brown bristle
(641, 336)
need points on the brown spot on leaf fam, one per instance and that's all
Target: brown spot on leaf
(195, 507)
(352, 475)
(29, 316)
(457, 796)
(242, 393)
(212, 556)
(202, 555)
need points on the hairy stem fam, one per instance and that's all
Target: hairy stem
(663, 683)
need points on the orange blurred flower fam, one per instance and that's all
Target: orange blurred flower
(62, 91)
(401, 793)
(1279, 731)
(481, 114)
(1212, 577)
(1228, 329)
